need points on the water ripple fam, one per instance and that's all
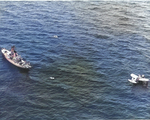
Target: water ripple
(89, 48)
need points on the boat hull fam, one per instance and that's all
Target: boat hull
(7, 53)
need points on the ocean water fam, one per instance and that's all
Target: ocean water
(82, 55)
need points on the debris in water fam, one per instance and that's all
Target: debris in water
(55, 36)
(52, 78)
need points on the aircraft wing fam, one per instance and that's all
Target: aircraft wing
(143, 79)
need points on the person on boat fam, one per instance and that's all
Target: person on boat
(13, 52)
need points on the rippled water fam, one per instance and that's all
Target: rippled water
(82, 55)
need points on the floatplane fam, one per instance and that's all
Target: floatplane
(139, 79)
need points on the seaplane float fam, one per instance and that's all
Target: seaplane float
(17, 61)
(139, 79)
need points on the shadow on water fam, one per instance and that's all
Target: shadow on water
(21, 70)
(139, 89)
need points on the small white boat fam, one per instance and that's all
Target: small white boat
(137, 79)
(17, 61)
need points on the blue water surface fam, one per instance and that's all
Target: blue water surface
(82, 55)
